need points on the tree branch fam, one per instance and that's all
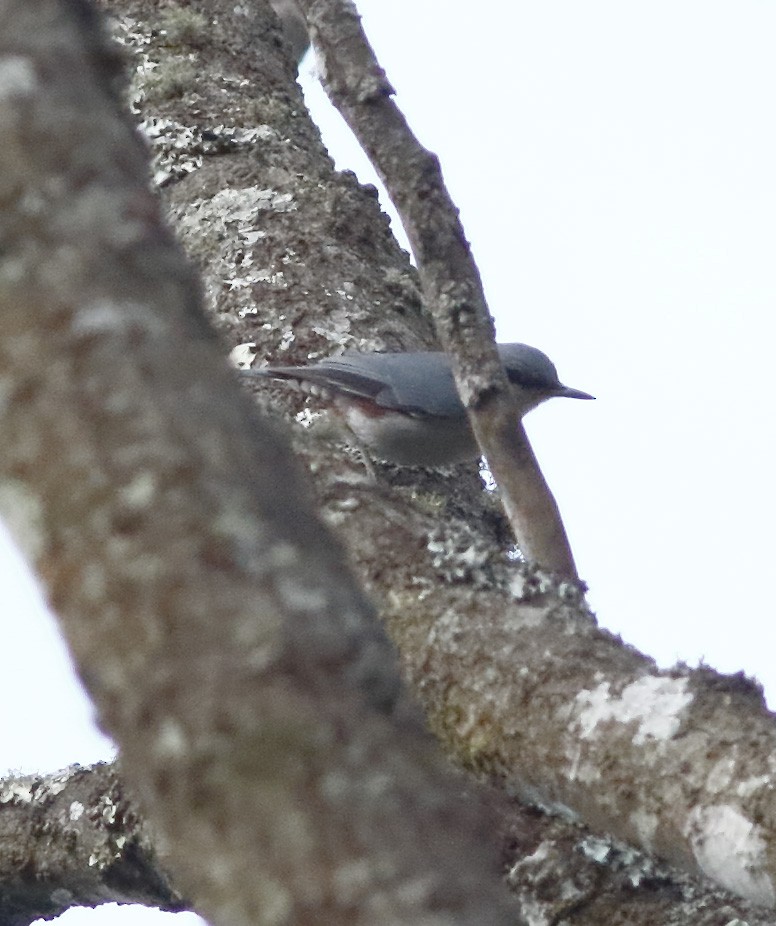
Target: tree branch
(75, 839)
(452, 288)
(296, 258)
(227, 647)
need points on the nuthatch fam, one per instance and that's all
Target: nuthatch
(405, 407)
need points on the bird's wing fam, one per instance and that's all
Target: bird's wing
(416, 384)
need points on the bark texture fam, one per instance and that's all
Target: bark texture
(451, 282)
(209, 611)
(75, 838)
(226, 645)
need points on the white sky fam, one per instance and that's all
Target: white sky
(614, 166)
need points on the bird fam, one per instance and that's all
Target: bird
(404, 407)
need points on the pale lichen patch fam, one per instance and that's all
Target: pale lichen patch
(171, 740)
(654, 703)
(645, 824)
(17, 77)
(730, 848)
(76, 811)
(140, 492)
(22, 513)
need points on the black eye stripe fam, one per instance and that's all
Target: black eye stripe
(527, 379)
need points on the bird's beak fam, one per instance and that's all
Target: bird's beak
(569, 393)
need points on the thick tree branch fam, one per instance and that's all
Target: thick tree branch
(309, 265)
(357, 85)
(295, 258)
(693, 826)
(226, 646)
(524, 689)
(74, 839)
(679, 762)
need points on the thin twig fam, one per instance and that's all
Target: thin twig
(359, 88)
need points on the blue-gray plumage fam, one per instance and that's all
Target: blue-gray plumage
(405, 408)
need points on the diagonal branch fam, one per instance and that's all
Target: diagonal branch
(450, 279)
(226, 645)
(75, 838)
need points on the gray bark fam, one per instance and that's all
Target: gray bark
(148, 493)
(75, 838)
(210, 613)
